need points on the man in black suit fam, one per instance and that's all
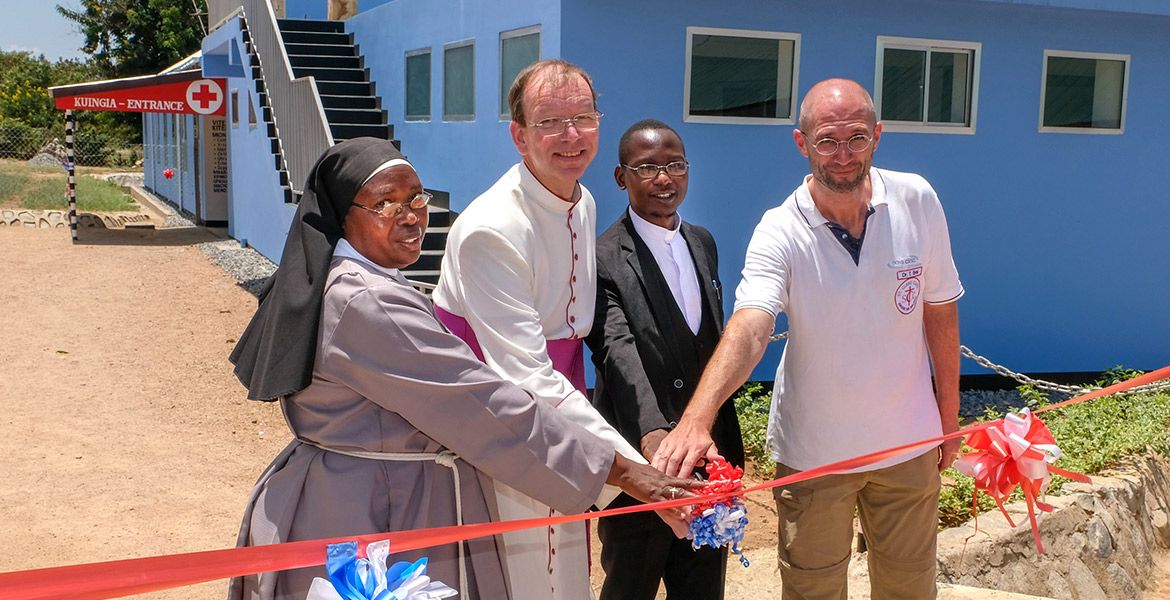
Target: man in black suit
(659, 317)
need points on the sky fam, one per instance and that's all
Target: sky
(34, 25)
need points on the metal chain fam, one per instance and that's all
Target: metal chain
(1048, 386)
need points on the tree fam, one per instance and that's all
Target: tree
(138, 37)
(27, 110)
(24, 83)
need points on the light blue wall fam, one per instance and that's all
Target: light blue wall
(257, 212)
(1058, 238)
(461, 157)
(309, 9)
(164, 150)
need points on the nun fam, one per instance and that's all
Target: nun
(396, 424)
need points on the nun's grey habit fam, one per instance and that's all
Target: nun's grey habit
(377, 374)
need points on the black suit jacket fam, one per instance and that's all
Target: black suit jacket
(646, 370)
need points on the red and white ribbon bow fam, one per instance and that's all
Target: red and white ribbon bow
(1016, 450)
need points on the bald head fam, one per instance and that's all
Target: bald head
(835, 96)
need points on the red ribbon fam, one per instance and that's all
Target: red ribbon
(141, 575)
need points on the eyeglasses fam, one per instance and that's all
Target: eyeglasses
(393, 210)
(829, 146)
(583, 123)
(677, 168)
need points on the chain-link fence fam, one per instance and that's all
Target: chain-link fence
(33, 167)
(1039, 384)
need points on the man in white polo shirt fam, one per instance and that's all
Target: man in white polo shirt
(860, 260)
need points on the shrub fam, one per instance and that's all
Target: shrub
(752, 404)
(19, 140)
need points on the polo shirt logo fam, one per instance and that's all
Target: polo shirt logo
(904, 262)
(906, 298)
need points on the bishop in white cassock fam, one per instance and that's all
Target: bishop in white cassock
(518, 283)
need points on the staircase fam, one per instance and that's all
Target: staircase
(424, 273)
(323, 50)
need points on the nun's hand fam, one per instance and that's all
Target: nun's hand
(651, 485)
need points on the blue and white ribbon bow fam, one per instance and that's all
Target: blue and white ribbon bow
(353, 578)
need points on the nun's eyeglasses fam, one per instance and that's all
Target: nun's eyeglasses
(583, 123)
(393, 210)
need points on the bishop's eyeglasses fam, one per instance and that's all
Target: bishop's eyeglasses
(583, 123)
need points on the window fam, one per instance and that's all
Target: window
(251, 110)
(235, 108)
(927, 86)
(518, 49)
(418, 85)
(1084, 92)
(739, 76)
(459, 82)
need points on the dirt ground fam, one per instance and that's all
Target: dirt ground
(124, 432)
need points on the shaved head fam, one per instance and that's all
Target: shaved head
(834, 93)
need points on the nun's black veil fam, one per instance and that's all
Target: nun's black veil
(274, 356)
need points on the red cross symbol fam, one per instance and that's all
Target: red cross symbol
(205, 96)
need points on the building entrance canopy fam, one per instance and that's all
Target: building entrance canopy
(183, 92)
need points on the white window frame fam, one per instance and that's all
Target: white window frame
(747, 33)
(505, 114)
(926, 45)
(453, 46)
(406, 85)
(1125, 58)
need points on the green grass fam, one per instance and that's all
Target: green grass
(43, 188)
(1093, 436)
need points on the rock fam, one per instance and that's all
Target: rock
(1161, 525)
(1120, 584)
(52, 153)
(1082, 583)
(1100, 542)
(1057, 586)
(45, 160)
(1100, 539)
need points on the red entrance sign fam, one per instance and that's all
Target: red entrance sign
(198, 97)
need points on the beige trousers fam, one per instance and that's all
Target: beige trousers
(898, 507)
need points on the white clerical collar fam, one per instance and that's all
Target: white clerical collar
(535, 190)
(346, 250)
(649, 231)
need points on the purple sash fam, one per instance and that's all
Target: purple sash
(568, 355)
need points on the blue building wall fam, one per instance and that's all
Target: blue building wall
(1057, 236)
(257, 213)
(460, 157)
